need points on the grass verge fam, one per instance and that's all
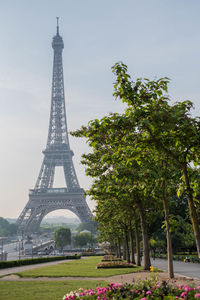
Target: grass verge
(77, 268)
(45, 290)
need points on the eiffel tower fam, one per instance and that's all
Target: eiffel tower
(44, 199)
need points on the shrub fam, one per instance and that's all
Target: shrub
(31, 261)
(191, 258)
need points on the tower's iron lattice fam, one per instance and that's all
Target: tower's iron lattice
(44, 199)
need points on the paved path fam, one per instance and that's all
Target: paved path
(187, 269)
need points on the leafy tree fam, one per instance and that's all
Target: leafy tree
(90, 226)
(141, 158)
(84, 239)
(62, 237)
(170, 128)
(7, 229)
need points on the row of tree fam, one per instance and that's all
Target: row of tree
(140, 161)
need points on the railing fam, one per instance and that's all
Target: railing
(55, 190)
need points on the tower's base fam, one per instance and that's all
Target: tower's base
(43, 202)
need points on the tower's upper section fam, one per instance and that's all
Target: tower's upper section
(57, 136)
(57, 42)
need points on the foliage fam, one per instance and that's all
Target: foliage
(84, 239)
(62, 237)
(150, 289)
(31, 261)
(90, 226)
(7, 229)
(181, 257)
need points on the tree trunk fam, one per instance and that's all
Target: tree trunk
(124, 250)
(193, 213)
(168, 234)
(137, 242)
(147, 262)
(116, 250)
(132, 247)
(119, 248)
(127, 246)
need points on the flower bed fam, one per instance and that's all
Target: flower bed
(111, 258)
(144, 290)
(114, 264)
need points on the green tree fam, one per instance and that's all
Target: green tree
(62, 237)
(84, 239)
(170, 128)
(7, 229)
(141, 157)
(90, 226)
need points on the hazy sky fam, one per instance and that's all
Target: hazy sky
(155, 38)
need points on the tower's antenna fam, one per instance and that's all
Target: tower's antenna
(57, 25)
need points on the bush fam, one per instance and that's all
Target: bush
(31, 261)
(191, 258)
(91, 254)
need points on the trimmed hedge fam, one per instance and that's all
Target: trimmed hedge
(91, 254)
(114, 264)
(191, 258)
(31, 261)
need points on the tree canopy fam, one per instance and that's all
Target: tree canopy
(62, 237)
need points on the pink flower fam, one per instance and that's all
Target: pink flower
(144, 298)
(183, 294)
(187, 288)
(197, 296)
(148, 293)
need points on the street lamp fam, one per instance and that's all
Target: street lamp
(19, 249)
(2, 239)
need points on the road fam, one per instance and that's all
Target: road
(12, 249)
(187, 269)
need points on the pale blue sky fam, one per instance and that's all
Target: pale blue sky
(155, 38)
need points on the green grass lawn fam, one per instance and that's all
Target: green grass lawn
(77, 268)
(43, 290)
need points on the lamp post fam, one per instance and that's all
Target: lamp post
(2, 239)
(19, 249)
